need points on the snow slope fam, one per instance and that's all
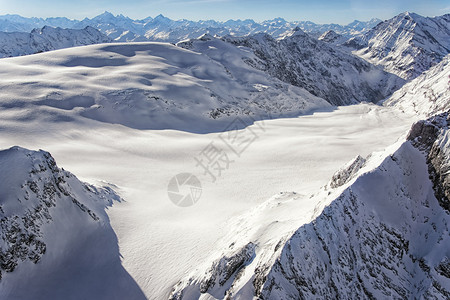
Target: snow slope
(55, 234)
(336, 76)
(428, 94)
(160, 242)
(381, 233)
(131, 114)
(148, 86)
(46, 39)
(407, 44)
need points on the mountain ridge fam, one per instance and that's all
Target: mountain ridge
(407, 44)
(364, 239)
(48, 38)
(51, 219)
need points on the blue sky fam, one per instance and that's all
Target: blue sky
(319, 11)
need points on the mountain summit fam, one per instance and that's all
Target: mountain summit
(407, 44)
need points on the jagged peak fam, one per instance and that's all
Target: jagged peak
(408, 15)
(161, 17)
(106, 14)
(330, 32)
(329, 36)
(206, 37)
(296, 32)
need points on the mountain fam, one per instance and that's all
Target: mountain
(407, 44)
(16, 23)
(352, 29)
(426, 95)
(380, 229)
(149, 86)
(46, 39)
(113, 26)
(331, 37)
(55, 233)
(248, 117)
(163, 29)
(300, 60)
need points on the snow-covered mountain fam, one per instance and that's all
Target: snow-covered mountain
(115, 27)
(161, 28)
(380, 231)
(129, 115)
(300, 60)
(16, 23)
(428, 94)
(46, 39)
(55, 234)
(407, 44)
(150, 86)
(332, 37)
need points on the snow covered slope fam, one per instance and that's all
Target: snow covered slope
(55, 234)
(46, 39)
(426, 95)
(148, 86)
(383, 232)
(119, 28)
(407, 44)
(298, 59)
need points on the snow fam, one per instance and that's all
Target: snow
(92, 108)
(46, 39)
(163, 29)
(426, 95)
(160, 242)
(407, 44)
(366, 237)
(148, 86)
(55, 229)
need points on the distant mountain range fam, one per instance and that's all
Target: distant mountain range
(46, 39)
(160, 28)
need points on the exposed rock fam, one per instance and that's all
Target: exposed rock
(37, 186)
(345, 174)
(385, 236)
(406, 45)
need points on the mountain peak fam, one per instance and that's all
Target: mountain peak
(106, 14)
(409, 15)
(160, 17)
(329, 36)
(297, 31)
